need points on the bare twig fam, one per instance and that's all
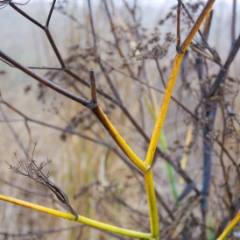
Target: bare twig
(93, 86)
(115, 36)
(233, 24)
(46, 82)
(15, 135)
(178, 40)
(92, 26)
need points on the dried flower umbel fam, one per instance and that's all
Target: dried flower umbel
(30, 169)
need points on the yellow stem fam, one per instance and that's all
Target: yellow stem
(163, 109)
(197, 24)
(230, 227)
(81, 219)
(119, 140)
(152, 204)
(170, 85)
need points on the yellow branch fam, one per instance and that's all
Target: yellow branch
(81, 219)
(163, 109)
(119, 140)
(197, 25)
(230, 227)
(160, 121)
(152, 203)
(171, 82)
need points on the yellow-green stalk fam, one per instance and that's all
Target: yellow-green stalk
(69, 216)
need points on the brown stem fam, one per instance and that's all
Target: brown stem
(15, 135)
(178, 40)
(50, 13)
(54, 47)
(226, 183)
(233, 25)
(115, 36)
(160, 72)
(92, 26)
(55, 87)
(26, 16)
(93, 86)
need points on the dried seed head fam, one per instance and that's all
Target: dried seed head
(169, 37)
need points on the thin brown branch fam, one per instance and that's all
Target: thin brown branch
(54, 47)
(233, 24)
(178, 40)
(160, 72)
(50, 13)
(46, 68)
(226, 182)
(46, 82)
(93, 86)
(26, 16)
(115, 36)
(15, 135)
(92, 26)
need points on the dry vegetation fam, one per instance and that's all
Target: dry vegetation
(131, 60)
